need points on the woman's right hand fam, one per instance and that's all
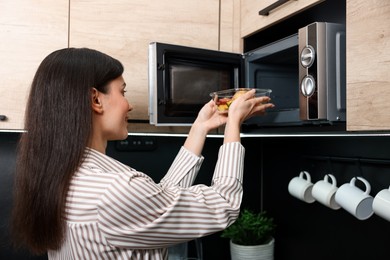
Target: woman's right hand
(244, 107)
(247, 105)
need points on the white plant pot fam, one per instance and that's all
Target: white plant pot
(259, 252)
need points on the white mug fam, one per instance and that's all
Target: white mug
(301, 188)
(381, 204)
(354, 200)
(325, 192)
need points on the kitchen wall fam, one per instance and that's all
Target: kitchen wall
(304, 231)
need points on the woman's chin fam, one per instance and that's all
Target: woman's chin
(124, 135)
(119, 136)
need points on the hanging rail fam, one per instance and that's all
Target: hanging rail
(348, 159)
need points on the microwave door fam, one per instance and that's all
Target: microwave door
(275, 66)
(181, 79)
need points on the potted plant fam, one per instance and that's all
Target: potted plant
(251, 236)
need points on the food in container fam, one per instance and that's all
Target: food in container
(224, 98)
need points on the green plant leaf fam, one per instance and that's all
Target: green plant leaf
(251, 228)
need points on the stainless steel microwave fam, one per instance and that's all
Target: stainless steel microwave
(306, 72)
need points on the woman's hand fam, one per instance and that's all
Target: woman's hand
(244, 107)
(208, 118)
(247, 105)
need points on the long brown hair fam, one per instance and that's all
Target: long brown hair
(58, 123)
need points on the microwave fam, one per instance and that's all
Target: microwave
(305, 71)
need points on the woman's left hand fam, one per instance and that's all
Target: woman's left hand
(209, 117)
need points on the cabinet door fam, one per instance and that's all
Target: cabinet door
(368, 65)
(252, 22)
(230, 39)
(124, 29)
(29, 31)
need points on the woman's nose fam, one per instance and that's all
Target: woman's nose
(130, 107)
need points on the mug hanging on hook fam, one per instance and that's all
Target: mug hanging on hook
(356, 201)
(301, 187)
(324, 191)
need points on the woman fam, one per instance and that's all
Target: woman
(74, 202)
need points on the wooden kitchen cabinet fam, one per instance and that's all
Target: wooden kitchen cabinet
(124, 29)
(29, 31)
(368, 65)
(252, 22)
(121, 28)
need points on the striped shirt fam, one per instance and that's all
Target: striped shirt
(116, 212)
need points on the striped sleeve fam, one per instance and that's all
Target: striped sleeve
(137, 213)
(183, 170)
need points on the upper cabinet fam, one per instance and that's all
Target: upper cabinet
(29, 31)
(368, 65)
(272, 11)
(124, 29)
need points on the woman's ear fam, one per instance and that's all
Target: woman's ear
(96, 103)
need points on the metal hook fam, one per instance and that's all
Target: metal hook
(359, 165)
(309, 164)
(330, 164)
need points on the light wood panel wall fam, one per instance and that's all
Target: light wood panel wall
(368, 65)
(29, 31)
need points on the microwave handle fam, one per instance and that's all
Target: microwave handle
(276, 4)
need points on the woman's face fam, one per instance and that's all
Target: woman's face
(116, 108)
